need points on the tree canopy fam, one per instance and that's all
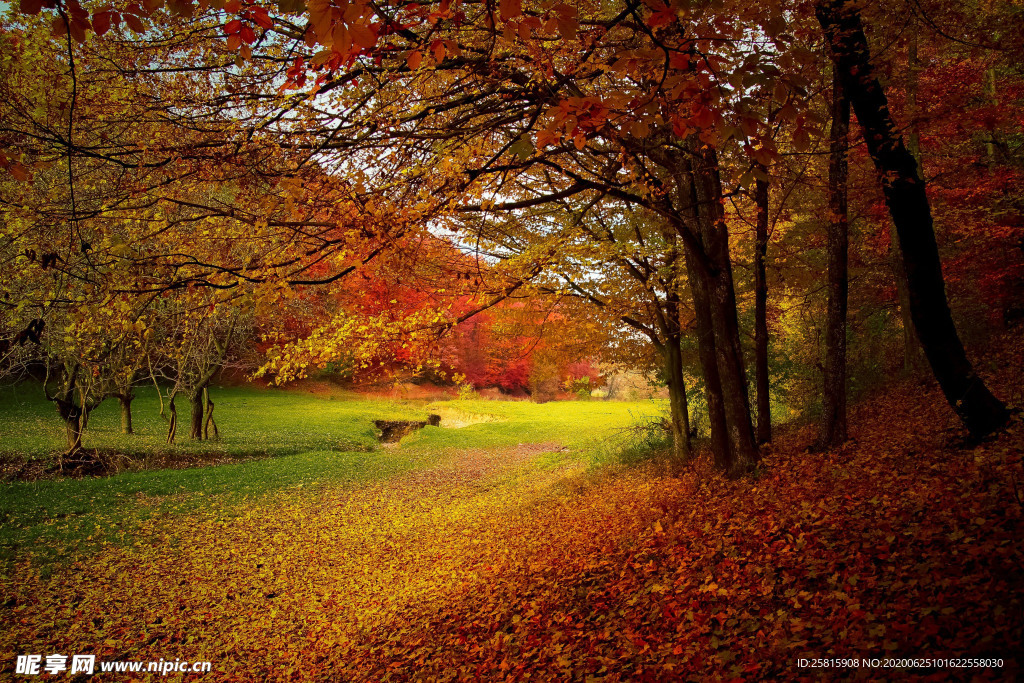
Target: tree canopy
(360, 178)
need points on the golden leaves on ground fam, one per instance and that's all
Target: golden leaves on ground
(491, 566)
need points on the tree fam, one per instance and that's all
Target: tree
(905, 196)
(354, 142)
(761, 379)
(833, 423)
(197, 339)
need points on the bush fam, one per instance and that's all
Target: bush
(645, 442)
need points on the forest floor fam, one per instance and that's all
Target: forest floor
(518, 560)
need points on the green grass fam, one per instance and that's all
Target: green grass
(586, 426)
(317, 442)
(251, 422)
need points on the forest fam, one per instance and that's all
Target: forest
(714, 308)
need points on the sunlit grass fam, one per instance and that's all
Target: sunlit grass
(251, 422)
(316, 443)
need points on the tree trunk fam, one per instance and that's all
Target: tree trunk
(725, 323)
(912, 359)
(833, 419)
(907, 200)
(125, 400)
(195, 400)
(208, 422)
(678, 407)
(71, 414)
(172, 424)
(993, 137)
(720, 450)
(764, 407)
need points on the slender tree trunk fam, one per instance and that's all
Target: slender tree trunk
(125, 399)
(725, 323)
(208, 422)
(993, 138)
(764, 407)
(833, 419)
(678, 407)
(671, 330)
(195, 401)
(912, 358)
(156, 386)
(72, 412)
(74, 436)
(907, 200)
(172, 425)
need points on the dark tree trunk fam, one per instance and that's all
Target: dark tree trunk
(725, 323)
(913, 362)
(699, 219)
(172, 425)
(678, 406)
(125, 400)
(208, 422)
(670, 323)
(833, 419)
(71, 414)
(764, 406)
(720, 449)
(71, 405)
(912, 359)
(907, 200)
(195, 401)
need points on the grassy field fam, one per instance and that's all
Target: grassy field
(315, 442)
(251, 422)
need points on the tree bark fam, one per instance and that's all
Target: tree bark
(125, 400)
(669, 322)
(208, 422)
(172, 425)
(71, 414)
(833, 419)
(764, 409)
(678, 407)
(195, 401)
(720, 449)
(724, 320)
(904, 189)
(912, 359)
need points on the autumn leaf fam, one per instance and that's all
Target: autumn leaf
(30, 6)
(510, 9)
(135, 24)
(364, 36)
(801, 140)
(20, 172)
